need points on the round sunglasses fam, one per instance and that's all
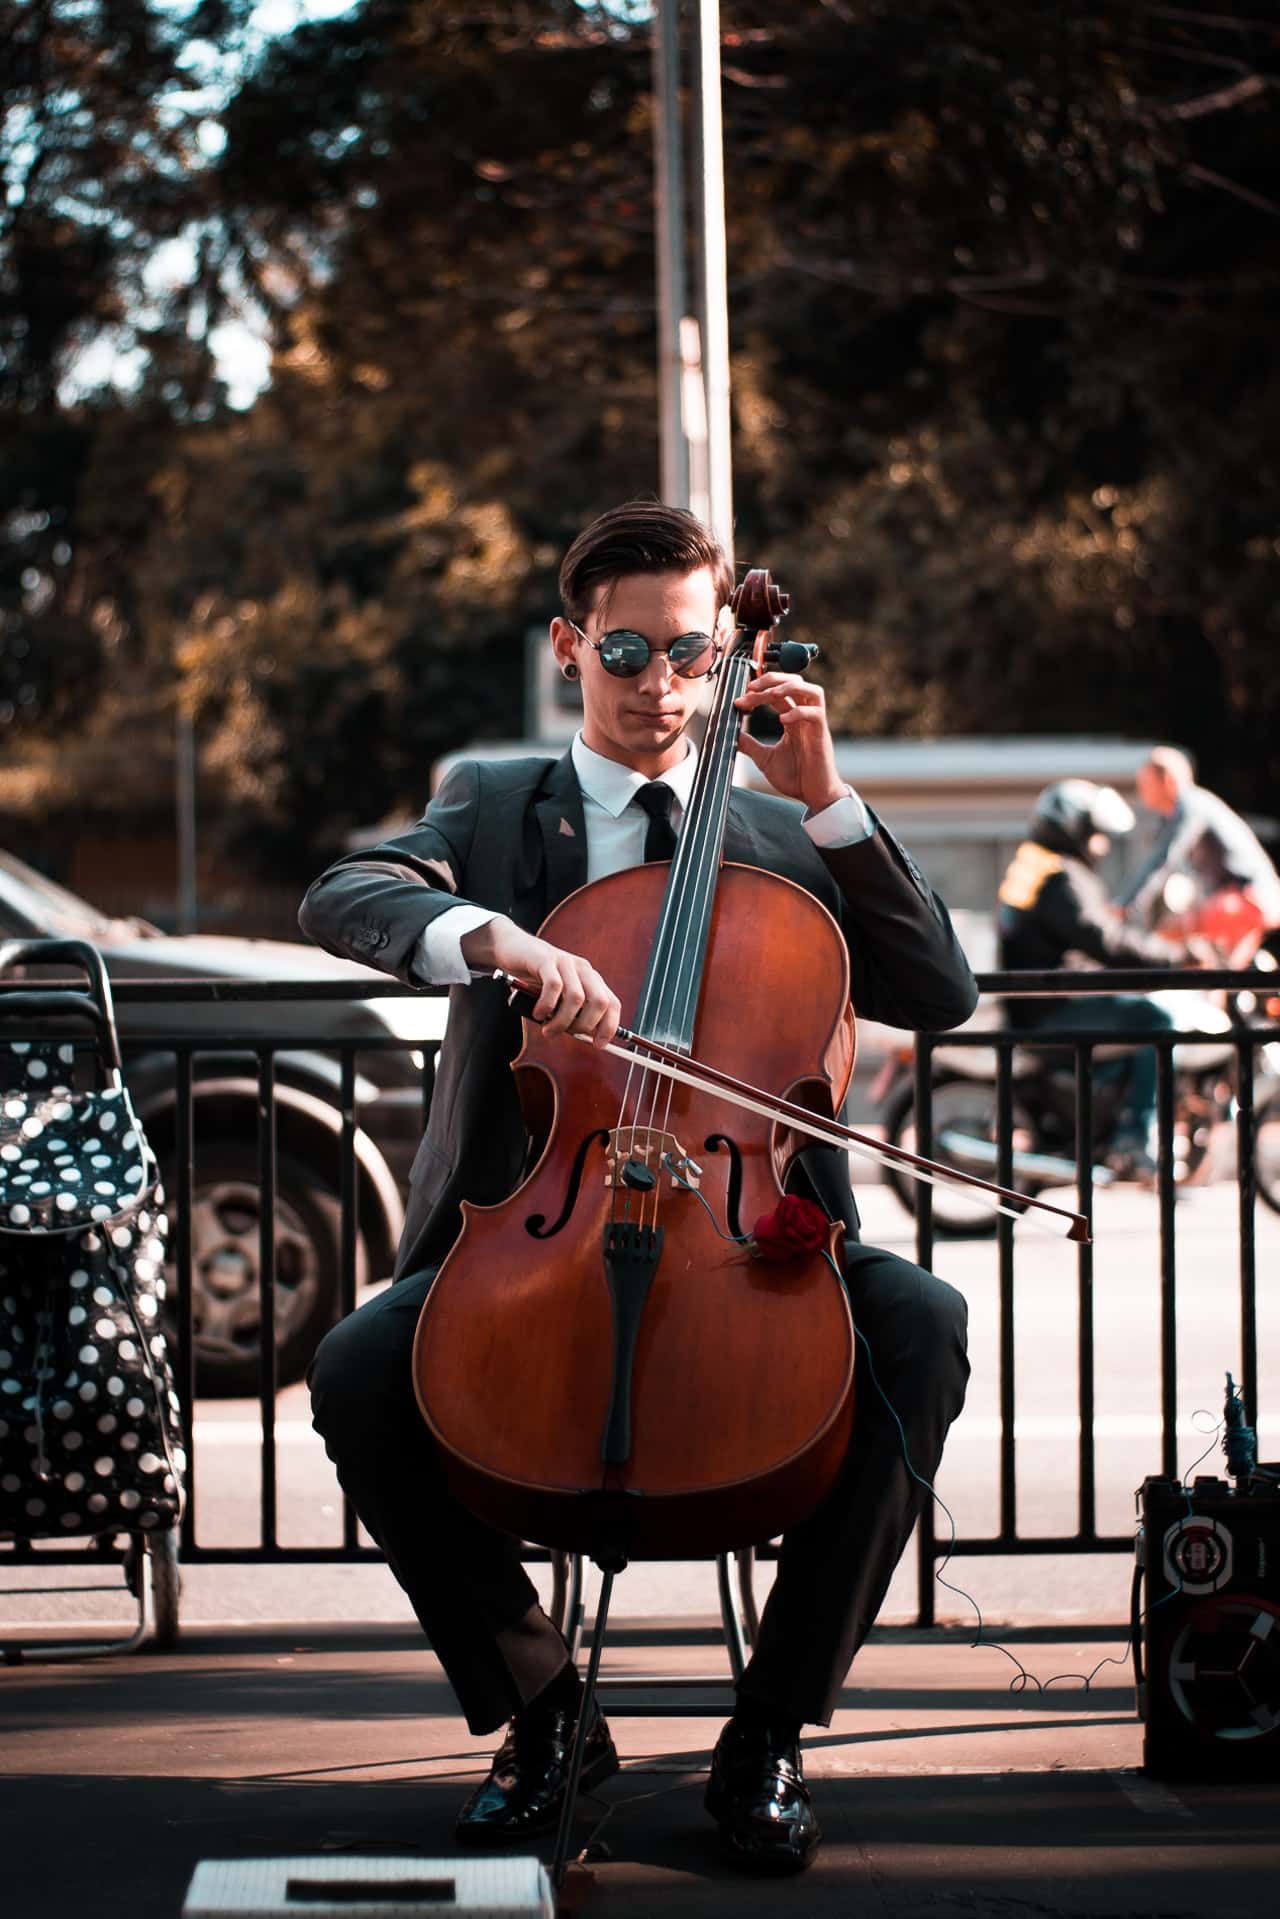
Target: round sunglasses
(626, 654)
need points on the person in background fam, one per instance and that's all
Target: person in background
(1237, 886)
(1054, 911)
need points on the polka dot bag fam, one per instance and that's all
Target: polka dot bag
(90, 1432)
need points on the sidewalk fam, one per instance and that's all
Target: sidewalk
(943, 1794)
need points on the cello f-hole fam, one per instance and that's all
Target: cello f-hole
(536, 1224)
(720, 1142)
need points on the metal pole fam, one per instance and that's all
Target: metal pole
(713, 268)
(185, 803)
(668, 164)
(693, 419)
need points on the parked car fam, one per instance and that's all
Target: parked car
(225, 1211)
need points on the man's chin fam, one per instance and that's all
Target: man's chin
(661, 731)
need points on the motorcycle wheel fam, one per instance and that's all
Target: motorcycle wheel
(968, 1106)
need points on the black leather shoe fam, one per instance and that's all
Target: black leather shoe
(525, 1789)
(757, 1794)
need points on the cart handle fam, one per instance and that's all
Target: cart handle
(54, 1001)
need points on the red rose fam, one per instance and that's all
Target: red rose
(795, 1227)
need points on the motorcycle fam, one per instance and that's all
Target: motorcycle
(964, 1111)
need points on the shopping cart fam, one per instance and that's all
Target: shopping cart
(91, 1439)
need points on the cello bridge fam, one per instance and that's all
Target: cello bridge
(640, 1157)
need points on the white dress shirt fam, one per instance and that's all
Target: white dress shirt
(615, 840)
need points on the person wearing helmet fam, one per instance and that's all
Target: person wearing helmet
(1055, 911)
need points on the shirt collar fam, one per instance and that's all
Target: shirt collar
(613, 786)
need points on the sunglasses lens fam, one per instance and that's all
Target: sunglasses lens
(691, 655)
(624, 654)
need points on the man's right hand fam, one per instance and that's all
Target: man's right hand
(571, 996)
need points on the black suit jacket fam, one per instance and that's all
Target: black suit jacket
(511, 836)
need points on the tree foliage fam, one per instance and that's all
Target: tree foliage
(1005, 415)
(100, 165)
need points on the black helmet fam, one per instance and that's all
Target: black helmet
(1070, 813)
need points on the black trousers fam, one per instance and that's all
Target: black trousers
(468, 1586)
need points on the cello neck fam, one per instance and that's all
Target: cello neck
(673, 980)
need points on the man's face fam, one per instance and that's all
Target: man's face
(1155, 789)
(640, 722)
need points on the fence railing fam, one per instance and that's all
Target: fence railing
(1246, 1039)
(171, 1033)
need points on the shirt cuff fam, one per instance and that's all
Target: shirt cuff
(843, 823)
(437, 957)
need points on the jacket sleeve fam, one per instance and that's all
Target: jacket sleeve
(1079, 924)
(373, 906)
(1168, 855)
(907, 968)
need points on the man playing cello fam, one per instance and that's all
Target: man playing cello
(645, 591)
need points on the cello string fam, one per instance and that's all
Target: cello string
(683, 902)
(683, 954)
(669, 987)
(722, 752)
(665, 945)
(683, 957)
(688, 877)
(695, 901)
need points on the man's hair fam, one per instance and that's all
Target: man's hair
(1173, 764)
(641, 536)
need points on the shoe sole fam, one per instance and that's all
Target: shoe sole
(594, 1774)
(767, 1865)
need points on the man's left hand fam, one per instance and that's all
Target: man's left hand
(802, 764)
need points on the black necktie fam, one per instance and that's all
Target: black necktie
(660, 838)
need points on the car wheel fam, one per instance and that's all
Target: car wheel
(225, 1265)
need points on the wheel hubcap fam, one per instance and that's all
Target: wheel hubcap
(226, 1315)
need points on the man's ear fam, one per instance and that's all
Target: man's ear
(563, 642)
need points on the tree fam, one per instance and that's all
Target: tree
(1001, 280)
(101, 163)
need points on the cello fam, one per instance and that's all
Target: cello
(606, 1366)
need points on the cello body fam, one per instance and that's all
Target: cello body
(739, 1370)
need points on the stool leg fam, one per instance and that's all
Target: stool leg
(564, 1608)
(557, 1609)
(574, 1609)
(580, 1733)
(731, 1624)
(747, 1593)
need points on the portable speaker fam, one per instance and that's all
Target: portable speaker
(1206, 1642)
(340, 1888)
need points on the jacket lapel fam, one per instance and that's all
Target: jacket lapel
(741, 843)
(562, 829)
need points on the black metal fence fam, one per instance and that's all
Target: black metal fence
(171, 1002)
(1256, 1028)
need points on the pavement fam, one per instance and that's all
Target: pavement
(947, 1786)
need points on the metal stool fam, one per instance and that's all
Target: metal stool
(740, 1620)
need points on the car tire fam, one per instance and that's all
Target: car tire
(225, 1264)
